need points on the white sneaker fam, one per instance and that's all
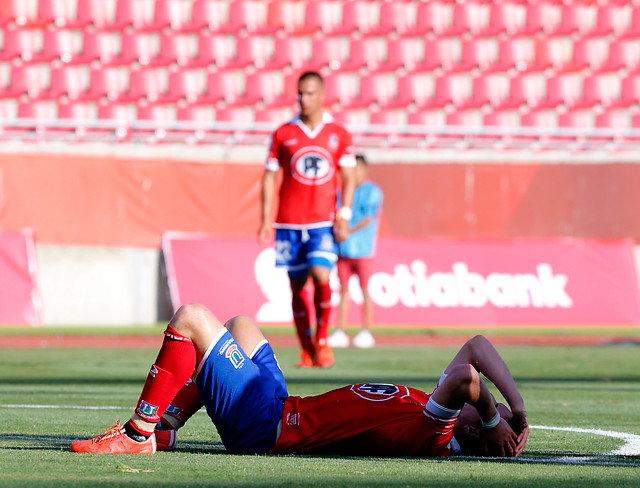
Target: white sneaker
(364, 339)
(339, 339)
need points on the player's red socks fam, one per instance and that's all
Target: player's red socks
(184, 405)
(174, 365)
(322, 302)
(301, 318)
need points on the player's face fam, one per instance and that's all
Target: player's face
(310, 96)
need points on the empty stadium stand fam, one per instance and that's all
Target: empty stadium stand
(424, 68)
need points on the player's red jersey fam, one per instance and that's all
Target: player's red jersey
(367, 419)
(310, 161)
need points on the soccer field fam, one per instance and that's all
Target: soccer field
(582, 402)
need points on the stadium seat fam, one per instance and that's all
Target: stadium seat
(634, 27)
(291, 51)
(95, 14)
(564, 89)
(505, 118)
(118, 118)
(543, 118)
(378, 87)
(265, 86)
(428, 118)
(135, 15)
(342, 87)
(614, 119)
(161, 113)
(330, 52)
(612, 19)
(287, 16)
(470, 117)
(57, 12)
(151, 84)
(577, 119)
(417, 88)
(180, 48)
(517, 53)
(555, 52)
(359, 17)
(601, 89)
(249, 16)
(543, 17)
(139, 47)
(225, 85)
(629, 92)
(198, 114)
(578, 18)
(111, 82)
(353, 117)
(406, 52)
(274, 115)
(215, 50)
(478, 53)
(469, 18)
(441, 52)
(505, 18)
(454, 88)
(187, 84)
(490, 89)
(19, 12)
(253, 50)
(210, 15)
(24, 44)
(62, 44)
(172, 14)
(434, 17)
(80, 112)
(397, 17)
(43, 113)
(394, 117)
(8, 110)
(323, 16)
(236, 114)
(624, 53)
(527, 89)
(101, 45)
(591, 52)
(32, 80)
(70, 81)
(366, 52)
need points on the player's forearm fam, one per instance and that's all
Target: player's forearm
(268, 190)
(348, 186)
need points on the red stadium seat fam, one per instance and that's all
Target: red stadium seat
(287, 16)
(543, 17)
(634, 27)
(394, 117)
(102, 46)
(397, 17)
(578, 18)
(19, 12)
(248, 15)
(342, 87)
(226, 85)
(479, 52)
(24, 44)
(367, 52)
(518, 53)
(601, 89)
(564, 89)
(434, 17)
(42, 110)
(177, 48)
(70, 81)
(527, 89)
(332, 52)
(470, 17)
(253, 50)
(470, 117)
(380, 88)
(555, 52)
(172, 14)
(612, 19)
(354, 117)
(405, 52)
(506, 118)
(211, 15)
(237, 114)
(624, 53)
(215, 50)
(591, 52)
(541, 118)
(291, 51)
(324, 16)
(62, 44)
(120, 115)
(139, 47)
(579, 119)
(57, 12)
(442, 52)
(508, 18)
(32, 80)
(201, 114)
(429, 118)
(81, 112)
(96, 14)
(274, 115)
(614, 119)
(187, 84)
(8, 109)
(110, 82)
(265, 86)
(630, 91)
(158, 112)
(359, 16)
(490, 89)
(135, 14)
(150, 84)
(455, 88)
(417, 88)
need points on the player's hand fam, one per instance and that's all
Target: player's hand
(265, 234)
(521, 428)
(500, 440)
(341, 230)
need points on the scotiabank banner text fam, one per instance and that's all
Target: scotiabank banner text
(424, 282)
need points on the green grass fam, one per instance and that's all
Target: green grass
(590, 387)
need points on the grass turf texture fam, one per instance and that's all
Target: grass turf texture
(588, 387)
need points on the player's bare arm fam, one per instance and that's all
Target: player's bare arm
(341, 227)
(265, 233)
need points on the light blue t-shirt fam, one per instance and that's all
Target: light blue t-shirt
(367, 202)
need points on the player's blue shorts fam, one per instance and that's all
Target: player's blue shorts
(244, 395)
(300, 249)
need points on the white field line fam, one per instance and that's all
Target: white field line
(631, 446)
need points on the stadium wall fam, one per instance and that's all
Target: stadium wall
(98, 219)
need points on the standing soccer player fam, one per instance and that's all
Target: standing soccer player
(310, 149)
(355, 256)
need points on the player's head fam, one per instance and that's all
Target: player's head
(468, 429)
(310, 93)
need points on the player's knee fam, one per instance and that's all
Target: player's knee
(190, 318)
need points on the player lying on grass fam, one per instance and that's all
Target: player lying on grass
(238, 379)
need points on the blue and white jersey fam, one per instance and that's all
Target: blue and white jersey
(367, 202)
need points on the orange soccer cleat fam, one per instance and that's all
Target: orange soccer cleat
(115, 441)
(324, 356)
(306, 359)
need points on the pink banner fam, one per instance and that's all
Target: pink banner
(511, 282)
(19, 297)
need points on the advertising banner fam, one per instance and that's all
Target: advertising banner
(425, 282)
(20, 302)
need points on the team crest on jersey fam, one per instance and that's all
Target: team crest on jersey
(234, 355)
(312, 165)
(376, 392)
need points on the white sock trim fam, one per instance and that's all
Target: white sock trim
(439, 411)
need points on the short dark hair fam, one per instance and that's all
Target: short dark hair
(307, 75)
(361, 157)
